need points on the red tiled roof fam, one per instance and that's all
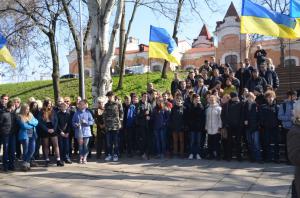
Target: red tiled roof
(202, 49)
(146, 49)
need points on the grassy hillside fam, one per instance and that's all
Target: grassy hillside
(69, 87)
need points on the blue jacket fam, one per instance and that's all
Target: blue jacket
(159, 118)
(85, 127)
(24, 126)
(285, 114)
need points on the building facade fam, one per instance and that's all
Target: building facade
(227, 45)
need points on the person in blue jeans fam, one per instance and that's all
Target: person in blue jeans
(196, 123)
(251, 122)
(160, 119)
(82, 120)
(8, 130)
(113, 117)
(27, 134)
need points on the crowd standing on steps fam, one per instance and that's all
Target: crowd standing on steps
(214, 113)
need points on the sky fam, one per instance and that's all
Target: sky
(189, 29)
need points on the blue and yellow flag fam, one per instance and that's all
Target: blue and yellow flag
(295, 8)
(5, 55)
(259, 20)
(162, 45)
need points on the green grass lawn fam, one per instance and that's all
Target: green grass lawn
(69, 87)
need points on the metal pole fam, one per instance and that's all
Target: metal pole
(82, 84)
(290, 84)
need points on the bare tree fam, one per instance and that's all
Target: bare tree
(76, 39)
(103, 42)
(43, 15)
(123, 41)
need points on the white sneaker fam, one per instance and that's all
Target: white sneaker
(198, 157)
(108, 158)
(191, 156)
(115, 158)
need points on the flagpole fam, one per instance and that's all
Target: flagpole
(82, 83)
(290, 64)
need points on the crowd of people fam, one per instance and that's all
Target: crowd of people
(214, 113)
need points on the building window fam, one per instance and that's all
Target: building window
(290, 62)
(232, 61)
(156, 68)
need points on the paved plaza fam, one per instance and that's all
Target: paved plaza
(153, 178)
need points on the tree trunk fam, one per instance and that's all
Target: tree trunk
(121, 50)
(55, 66)
(175, 31)
(103, 43)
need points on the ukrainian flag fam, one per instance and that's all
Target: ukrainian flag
(259, 20)
(295, 8)
(162, 45)
(5, 55)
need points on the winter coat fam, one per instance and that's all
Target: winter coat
(201, 91)
(159, 118)
(196, 118)
(84, 130)
(232, 114)
(271, 78)
(131, 116)
(27, 126)
(64, 122)
(174, 86)
(141, 120)
(213, 119)
(285, 114)
(252, 83)
(8, 123)
(113, 116)
(251, 115)
(177, 118)
(293, 148)
(243, 75)
(268, 116)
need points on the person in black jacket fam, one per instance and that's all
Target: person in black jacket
(270, 76)
(243, 74)
(177, 125)
(260, 56)
(64, 123)
(268, 118)
(196, 119)
(175, 84)
(8, 129)
(255, 80)
(251, 121)
(232, 120)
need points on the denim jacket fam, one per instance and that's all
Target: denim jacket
(285, 116)
(85, 129)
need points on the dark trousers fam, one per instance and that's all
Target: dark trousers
(64, 147)
(9, 148)
(130, 139)
(144, 140)
(18, 147)
(284, 133)
(112, 141)
(214, 145)
(271, 144)
(232, 142)
(195, 142)
(101, 143)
